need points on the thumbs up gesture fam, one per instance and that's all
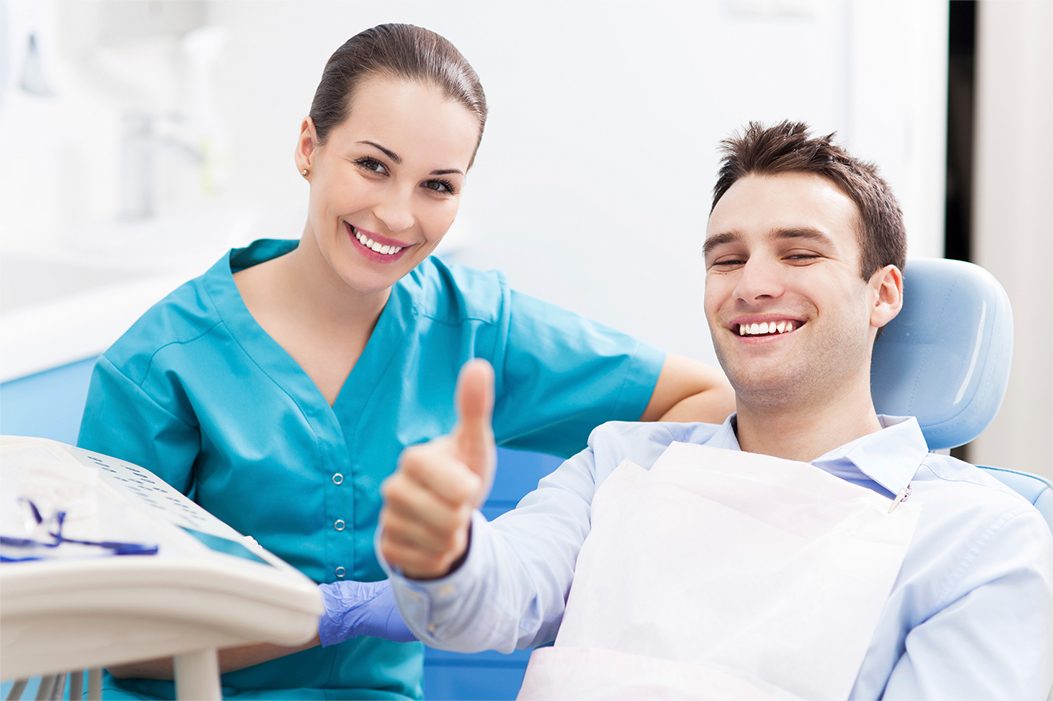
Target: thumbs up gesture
(428, 502)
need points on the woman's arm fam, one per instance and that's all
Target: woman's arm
(688, 390)
(230, 660)
(350, 609)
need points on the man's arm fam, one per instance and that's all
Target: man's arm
(463, 583)
(994, 637)
(689, 391)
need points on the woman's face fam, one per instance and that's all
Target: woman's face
(386, 184)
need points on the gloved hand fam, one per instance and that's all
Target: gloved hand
(354, 609)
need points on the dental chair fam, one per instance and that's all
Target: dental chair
(945, 359)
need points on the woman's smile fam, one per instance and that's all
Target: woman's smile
(374, 246)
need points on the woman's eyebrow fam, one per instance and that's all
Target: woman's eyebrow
(387, 152)
(398, 159)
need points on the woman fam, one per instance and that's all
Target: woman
(279, 388)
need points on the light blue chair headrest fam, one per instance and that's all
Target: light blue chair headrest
(945, 359)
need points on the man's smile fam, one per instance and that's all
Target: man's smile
(768, 325)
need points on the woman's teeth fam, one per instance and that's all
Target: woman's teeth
(374, 246)
(766, 327)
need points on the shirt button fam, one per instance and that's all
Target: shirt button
(339, 524)
(432, 628)
(338, 478)
(340, 572)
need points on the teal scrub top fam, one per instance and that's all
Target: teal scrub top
(199, 393)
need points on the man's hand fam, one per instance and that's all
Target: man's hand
(428, 502)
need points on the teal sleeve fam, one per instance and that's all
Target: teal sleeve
(562, 375)
(121, 420)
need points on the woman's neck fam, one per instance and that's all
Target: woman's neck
(312, 289)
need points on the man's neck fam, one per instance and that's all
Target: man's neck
(801, 432)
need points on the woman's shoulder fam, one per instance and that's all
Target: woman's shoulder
(184, 316)
(454, 293)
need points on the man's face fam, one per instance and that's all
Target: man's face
(792, 320)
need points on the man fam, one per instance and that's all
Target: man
(806, 548)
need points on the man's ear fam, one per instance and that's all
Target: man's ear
(887, 285)
(306, 144)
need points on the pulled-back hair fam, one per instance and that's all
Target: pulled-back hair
(395, 51)
(787, 147)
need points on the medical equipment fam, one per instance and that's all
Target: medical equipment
(946, 359)
(206, 587)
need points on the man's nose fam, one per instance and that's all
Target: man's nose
(395, 209)
(759, 279)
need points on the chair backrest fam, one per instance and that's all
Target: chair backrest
(945, 359)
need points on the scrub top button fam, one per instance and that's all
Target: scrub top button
(339, 524)
(340, 572)
(338, 478)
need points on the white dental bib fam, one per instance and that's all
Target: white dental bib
(721, 574)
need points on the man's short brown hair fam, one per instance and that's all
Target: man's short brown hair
(788, 148)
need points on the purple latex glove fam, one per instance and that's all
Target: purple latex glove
(354, 609)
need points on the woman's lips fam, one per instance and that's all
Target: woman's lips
(375, 247)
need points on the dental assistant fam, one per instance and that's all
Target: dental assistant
(279, 388)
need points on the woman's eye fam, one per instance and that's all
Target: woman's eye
(372, 165)
(441, 186)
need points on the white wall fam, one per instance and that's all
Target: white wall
(593, 183)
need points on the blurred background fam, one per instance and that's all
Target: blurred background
(140, 139)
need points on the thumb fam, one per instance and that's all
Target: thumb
(474, 436)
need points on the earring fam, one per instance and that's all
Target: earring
(303, 172)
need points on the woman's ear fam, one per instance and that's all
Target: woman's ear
(306, 145)
(887, 284)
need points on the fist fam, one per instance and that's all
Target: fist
(428, 502)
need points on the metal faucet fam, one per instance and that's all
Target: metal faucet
(140, 143)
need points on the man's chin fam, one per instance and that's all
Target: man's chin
(767, 390)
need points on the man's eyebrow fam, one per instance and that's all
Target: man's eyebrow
(796, 232)
(387, 152)
(718, 240)
(801, 232)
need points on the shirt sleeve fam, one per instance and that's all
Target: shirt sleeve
(561, 375)
(994, 637)
(121, 420)
(510, 592)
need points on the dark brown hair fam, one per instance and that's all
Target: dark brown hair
(788, 148)
(397, 51)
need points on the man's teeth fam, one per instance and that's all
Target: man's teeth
(766, 327)
(374, 246)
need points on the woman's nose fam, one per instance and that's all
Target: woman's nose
(395, 211)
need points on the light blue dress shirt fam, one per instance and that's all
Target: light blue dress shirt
(970, 615)
(197, 392)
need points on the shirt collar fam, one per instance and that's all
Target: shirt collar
(725, 436)
(890, 457)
